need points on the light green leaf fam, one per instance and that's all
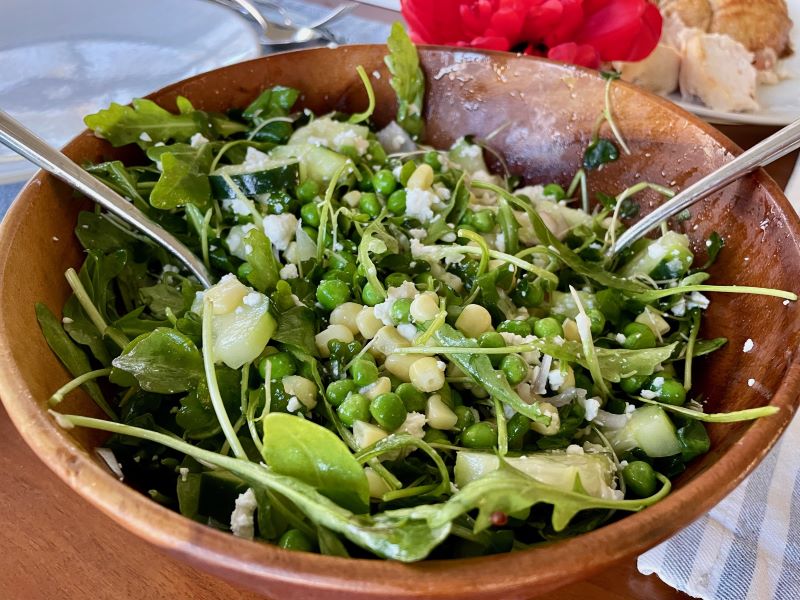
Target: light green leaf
(407, 80)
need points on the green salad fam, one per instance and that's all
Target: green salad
(405, 356)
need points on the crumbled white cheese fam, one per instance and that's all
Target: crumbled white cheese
(449, 238)
(419, 204)
(679, 308)
(697, 300)
(349, 137)
(237, 206)
(748, 345)
(500, 242)
(383, 310)
(751, 382)
(280, 229)
(289, 272)
(170, 269)
(442, 191)
(184, 471)
(574, 449)
(242, 521)
(417, 234)
(621, 338)
(197, 140)
(67, 320)
(253, 299)
(556, 379)
(236, 237)
(786, 303)
(590, 406)
(414, 425)
(394, 138)
(454, 258)
(254, 160)
(293, 405)
(408, 331)
(145, 137)
(648, 394)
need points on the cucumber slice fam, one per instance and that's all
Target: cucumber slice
(336, 135)
(316, 162)
(468, 156)
(562, 303)
(665, 258)
(270, 175)
(557, 468)
(650, 429)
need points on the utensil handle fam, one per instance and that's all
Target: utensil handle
(27, 144)
(780, 144)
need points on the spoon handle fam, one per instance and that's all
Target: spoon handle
(774, 147)
(27, 144)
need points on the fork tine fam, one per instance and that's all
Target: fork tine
(337, 12)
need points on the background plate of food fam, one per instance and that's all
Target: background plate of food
(728, 61)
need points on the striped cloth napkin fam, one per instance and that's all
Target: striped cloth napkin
(748, 546)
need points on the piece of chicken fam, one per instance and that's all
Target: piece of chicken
(693, 13)
(719, 71)
(658, 73)
(760, 25)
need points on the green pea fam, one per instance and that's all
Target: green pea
(397, 279)
(307, 191)
(490, 339)
(553, 189)
(517, 428)
(413, 399)
(383, 182)
(309, 213)
(435, 436)
(281, 364)
(397, 202)
(364, 372)
(370, 295)
(332, 292)
(514, 368)
(406, 172)
(597, 320)
(634, 384)
(640, 478)
(669, 390)
(483, 221)
(294, 539)
(694, 440)
(388, 411)
(465, 417)
(432, 158)
(338, 391)
(343, 261)
(548, 327)
(401, 310)
(479, 435)
(528, 293)
(244, 270)
(369, 204)
(354, 408)
(638, 336)
(516, 327)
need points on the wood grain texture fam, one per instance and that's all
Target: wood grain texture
(553, 108)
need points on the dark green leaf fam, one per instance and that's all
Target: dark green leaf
(164, 361)
(184, 177)
(714, 244)
(274, 102)
(600, 152)
(196, 415)
(296, 328)
(81, 329)
(263, 274)
(70, 355)
(304, 450)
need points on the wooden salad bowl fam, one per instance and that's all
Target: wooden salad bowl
(542, 114)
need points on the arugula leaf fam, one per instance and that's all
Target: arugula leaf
(164, 361)
(480, 369)
(296, 328)
(162, 296)
(70, 355)
(81, 329)
(184, 177)
(264, 270)
(735, 416)
(274, 102)
(407, 80)
(599, 152)
(617, 363)
(122, 125)
(316, 456)
(196, 415)
(120, 179)
(627, 210)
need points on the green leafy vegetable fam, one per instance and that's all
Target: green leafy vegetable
(144, 121)
(407, 80)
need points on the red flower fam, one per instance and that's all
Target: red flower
(583, 32)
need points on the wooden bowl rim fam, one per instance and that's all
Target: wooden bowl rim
(547, 566)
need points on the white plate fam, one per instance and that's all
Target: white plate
(780, 103)
(63, 59)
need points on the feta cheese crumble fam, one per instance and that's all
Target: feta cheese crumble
(289, 272)
(748, 345)
(280, 229)
(383, 310)
(197, 140)
(242, 521)
(419, 204)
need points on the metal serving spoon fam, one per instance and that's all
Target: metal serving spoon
(27, 144)
(779, 144)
